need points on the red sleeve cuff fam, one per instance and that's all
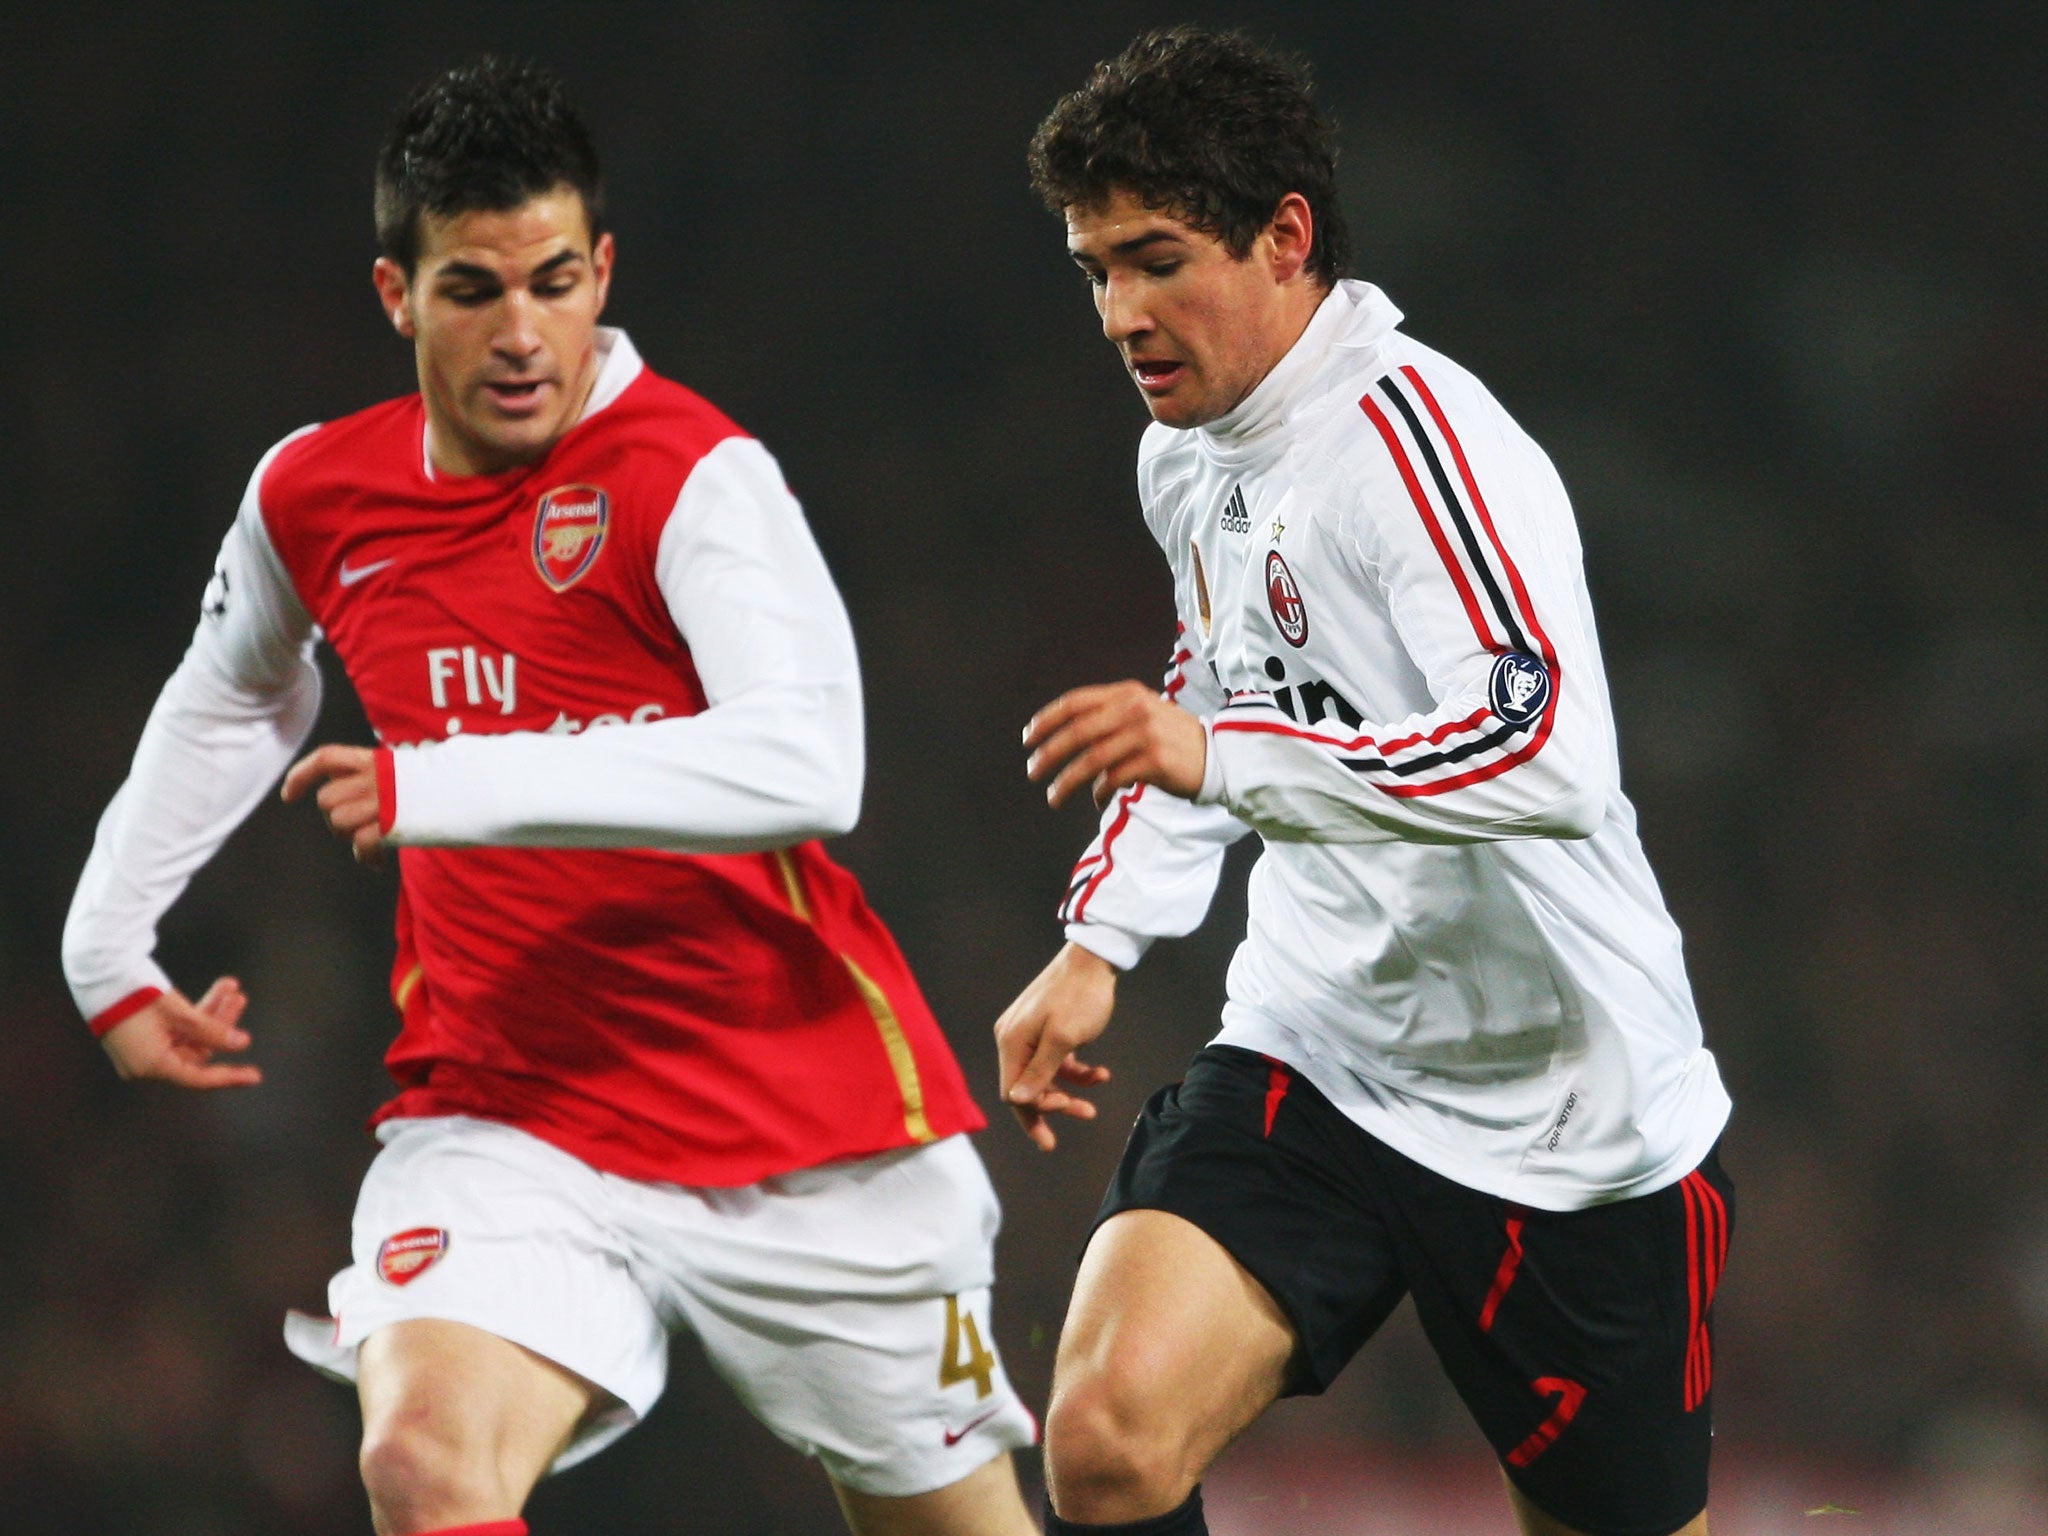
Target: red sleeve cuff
(133, 1003)
(387, 791)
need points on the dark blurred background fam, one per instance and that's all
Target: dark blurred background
(1764, 281)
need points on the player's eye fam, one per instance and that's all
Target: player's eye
(1161, 268)
(469, 298)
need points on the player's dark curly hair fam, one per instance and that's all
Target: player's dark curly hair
(1211, 127)
(487, 135)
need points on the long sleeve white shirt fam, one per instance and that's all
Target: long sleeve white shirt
(1453, 931)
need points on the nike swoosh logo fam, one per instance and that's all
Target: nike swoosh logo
(954, 1437)
(350, 575)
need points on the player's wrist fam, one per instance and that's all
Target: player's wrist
(112, 1017)
(1108, 947)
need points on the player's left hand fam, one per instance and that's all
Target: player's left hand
(347, 777)
(1113, 735)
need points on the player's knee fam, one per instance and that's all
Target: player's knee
(1110, 1455)
(420, 1477)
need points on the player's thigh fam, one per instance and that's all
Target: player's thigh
(1240, 1256)
(452, 1404)
(465, 1222)
(848, 1306)
(1170, 1348)
(986, 1502)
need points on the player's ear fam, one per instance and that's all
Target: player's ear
(393, 289)
(1292, 235)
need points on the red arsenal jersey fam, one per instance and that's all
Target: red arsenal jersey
(706, 1018)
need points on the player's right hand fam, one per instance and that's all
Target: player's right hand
(1067, 1005)
(175, 1039)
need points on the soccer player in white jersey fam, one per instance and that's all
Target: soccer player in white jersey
(1459, 1057)
(660, 1068)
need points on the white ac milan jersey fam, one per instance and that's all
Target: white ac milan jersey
(1384, 624)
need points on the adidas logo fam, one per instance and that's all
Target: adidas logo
(1236, 519)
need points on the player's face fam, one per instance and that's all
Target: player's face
(1197, 327)
(502, 309)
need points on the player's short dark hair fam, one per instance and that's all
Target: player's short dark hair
(1211, 127)
(487, 135)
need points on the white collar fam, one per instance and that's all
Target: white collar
(1352, 314)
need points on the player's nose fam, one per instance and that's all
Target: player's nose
(518, 331)
(1123, 316)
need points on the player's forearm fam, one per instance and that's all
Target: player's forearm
(776, 766)
(1548, 779)
(208, 753)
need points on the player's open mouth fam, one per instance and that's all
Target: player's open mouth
(517, 396)
(1157, 375)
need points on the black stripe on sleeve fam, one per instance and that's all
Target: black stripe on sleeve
(1458, 515)
(1499, 736)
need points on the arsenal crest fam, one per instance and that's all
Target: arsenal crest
(1284, 598)
(404, 1256)
(568, 531)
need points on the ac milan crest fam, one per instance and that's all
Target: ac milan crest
(1284, 598)
(568, 531)
(404, 1256)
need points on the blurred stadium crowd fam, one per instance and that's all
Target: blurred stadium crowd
(1764, 282)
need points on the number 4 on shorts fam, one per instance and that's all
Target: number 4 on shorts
(964, 1358)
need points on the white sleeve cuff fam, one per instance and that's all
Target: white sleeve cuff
(436, 807)
(1211, 792)
(1122, 950)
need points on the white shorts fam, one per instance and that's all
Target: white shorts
(847, 1305)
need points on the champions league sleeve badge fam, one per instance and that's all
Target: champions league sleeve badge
(1519, 688)
(568, 531)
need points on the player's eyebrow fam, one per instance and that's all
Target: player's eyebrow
(468, 271)
(1138, 243)
(1130, 247)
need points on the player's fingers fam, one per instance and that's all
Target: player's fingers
(1054, 1102)
(1047, 1053)
(203, 1074)
(198, 1030)
(1018, 1034)
(199, 1035)
(1035, 1127)
(1080, 731)
(225, 1004)
(309, 770)
(1062, 709)
(1108, 756)
(1085, 765)
(1075, 1070)
(223, 998)
(368, 845)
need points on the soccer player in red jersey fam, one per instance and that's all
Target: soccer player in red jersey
(659, 1066)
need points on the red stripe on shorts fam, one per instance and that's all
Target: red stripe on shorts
(1504, 1276)
(1278, 1080)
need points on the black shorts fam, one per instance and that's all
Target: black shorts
(1580, 1340)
